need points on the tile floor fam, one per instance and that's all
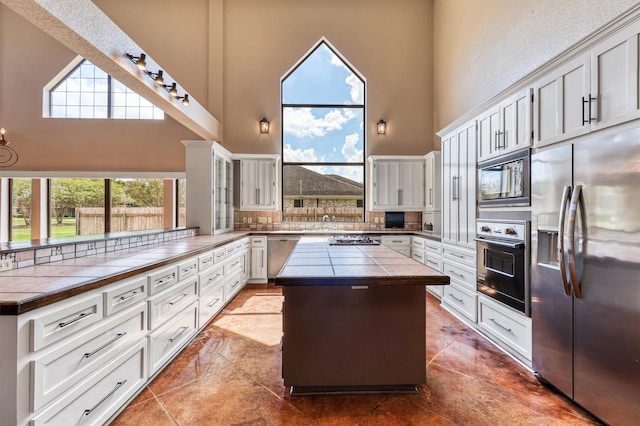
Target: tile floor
(230, 375)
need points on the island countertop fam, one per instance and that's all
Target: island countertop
(314, 262)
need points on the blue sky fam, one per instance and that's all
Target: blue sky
(324, 134)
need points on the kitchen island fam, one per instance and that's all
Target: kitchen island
(353, 318)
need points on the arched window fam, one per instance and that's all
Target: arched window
(323, 140)
(89, 92)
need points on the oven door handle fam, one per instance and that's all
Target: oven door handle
(517, 245)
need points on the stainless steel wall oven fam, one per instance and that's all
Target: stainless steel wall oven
(503, 259)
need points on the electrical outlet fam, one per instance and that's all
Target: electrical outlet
(6, 264)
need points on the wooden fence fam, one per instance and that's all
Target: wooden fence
(90, 220)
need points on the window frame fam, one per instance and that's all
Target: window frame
(362, 107)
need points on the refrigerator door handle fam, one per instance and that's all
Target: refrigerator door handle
(576, 202)
(566, 195)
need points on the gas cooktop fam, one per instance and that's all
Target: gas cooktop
(351, 240)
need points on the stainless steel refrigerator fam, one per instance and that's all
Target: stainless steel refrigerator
(585, 272)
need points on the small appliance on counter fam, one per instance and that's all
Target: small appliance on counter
(431, 223)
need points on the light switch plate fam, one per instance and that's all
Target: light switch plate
(6, 264)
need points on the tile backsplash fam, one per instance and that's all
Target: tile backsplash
(26, 257)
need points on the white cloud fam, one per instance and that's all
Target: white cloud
(353, 81)
(299, 155)
(351, 154)
(301, 122)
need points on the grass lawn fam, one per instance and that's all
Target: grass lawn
(21, 233)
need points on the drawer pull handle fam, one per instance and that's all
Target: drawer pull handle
(189, 269)
(204, 262)
(162, 280)
(457, 275)
(211, 279)
(459, 256)
(118, 385)
(76, 319)
(95, 351)
(213, 303)
(508, 330)
(456, 299)
(235, 284)
(131, 295)
(235, 263)
(178, 334)
(432, 262)
(177, 299)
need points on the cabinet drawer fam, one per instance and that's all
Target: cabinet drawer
(464, 275)
(98, 397)
(259, 242)
(462, 300)
(211, 278)
(167, 304)
(231, 249)
(64, 320)
(512, 328)
(436, 290)
(219, 255)
(210, 304)
(187, 269)
(233, 265)
(55, 372)
(417, 243)
(232, 285)
(433, 247)
(162, 279)
(166, 341)
(417, 255)
(122, 295)
(396, 240)
(468, 257)
(433, 262)
(205, 261)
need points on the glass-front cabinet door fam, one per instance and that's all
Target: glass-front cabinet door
(223, 199)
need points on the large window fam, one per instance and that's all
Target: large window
(323, 109)
(77, 207)
(20, 209)
(89, 92)
(137, 204)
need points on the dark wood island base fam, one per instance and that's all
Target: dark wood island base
(358, 334)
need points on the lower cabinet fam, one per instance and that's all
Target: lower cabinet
(81, 360)
(399, 243)
(511, 328)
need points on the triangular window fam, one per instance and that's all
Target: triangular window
(89, 92)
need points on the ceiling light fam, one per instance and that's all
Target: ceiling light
(140, 61)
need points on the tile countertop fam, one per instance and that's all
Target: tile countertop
(25, 289)
(314, 262)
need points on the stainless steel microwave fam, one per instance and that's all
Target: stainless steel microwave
(505, 180)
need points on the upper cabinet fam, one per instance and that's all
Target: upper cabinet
(505, 127)
(432, 181)
(594, 90)
(397, 182)
(258, 182)
(209, 173)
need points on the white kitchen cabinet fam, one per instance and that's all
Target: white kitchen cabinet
(397, 183)
(432, 181)
(258, 183)
(399, 243)
(505, 127)
(459, 186)
(258, 260)
(594, 90)
(209, 171)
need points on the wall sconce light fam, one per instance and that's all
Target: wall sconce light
(382, 127)
(264, 125)
(185, 99)
(8, 155)
(140, 61)
(157, 77)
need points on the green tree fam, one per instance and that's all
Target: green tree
(21, 193)
(69, 193)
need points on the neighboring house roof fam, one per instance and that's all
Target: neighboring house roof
(318, 185)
